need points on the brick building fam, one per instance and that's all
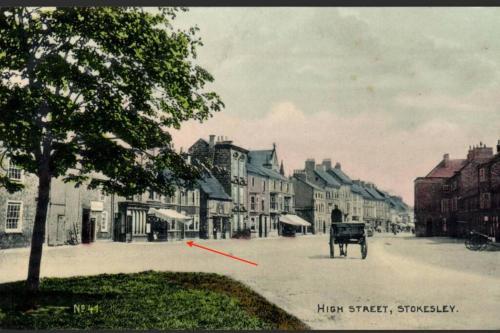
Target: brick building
(459, 195)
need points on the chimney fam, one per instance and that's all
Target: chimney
(300, 174)
(338, 166)
(327, 163)
(310, 162)
(498, 147)
(446, 159)
(320, 167)
(211, 140)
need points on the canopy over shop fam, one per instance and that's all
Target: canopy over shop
(293, 223)
(168, 223)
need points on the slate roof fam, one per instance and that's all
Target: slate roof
(442, 171)
(316, 187)
(341, 176)
(211, 186)
(260, 157)
(356, 189)
(374, 193)
(264, 172)
(327, 178)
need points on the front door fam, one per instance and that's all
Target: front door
(260, 225)
(428, 228)
(88, 227)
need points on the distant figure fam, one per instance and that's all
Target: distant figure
(336, 215)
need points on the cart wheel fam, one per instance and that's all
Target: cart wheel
(332, 246)
(364, 249)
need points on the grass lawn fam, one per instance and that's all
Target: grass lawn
(147, 300)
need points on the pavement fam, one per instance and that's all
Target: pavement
(418, 276)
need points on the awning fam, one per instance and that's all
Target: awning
(294, 220)
(169, 214)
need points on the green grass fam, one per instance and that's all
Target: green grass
(147, 300)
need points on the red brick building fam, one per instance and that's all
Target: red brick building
(460, 195)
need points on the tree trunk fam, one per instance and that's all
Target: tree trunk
(44, 182)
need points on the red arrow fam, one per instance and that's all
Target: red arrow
(191, 244)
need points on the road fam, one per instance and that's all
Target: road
(298, 275)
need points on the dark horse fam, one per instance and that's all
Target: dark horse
(337, 218)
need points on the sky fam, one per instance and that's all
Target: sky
(383, 91)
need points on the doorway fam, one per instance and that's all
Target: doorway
(88, 227)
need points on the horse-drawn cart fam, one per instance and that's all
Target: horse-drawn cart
(348, 233)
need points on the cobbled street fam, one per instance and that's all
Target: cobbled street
(298, 275)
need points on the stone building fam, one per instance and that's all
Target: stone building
(369, 203)
(310, 202)
(227, 162)
(73, 213)
(259, 200)
(153, 216)
(455, 196)
(215, 208)
(263, 164)
(334, 194)
(349, 193)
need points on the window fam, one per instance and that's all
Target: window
(482, 174)
(253, 181)
(104, 221)
(264, 185)
(102, 196)
(262, 205)
(14, 216)
(446, 188)
(151, 195)
(14, 172)
(252, 203)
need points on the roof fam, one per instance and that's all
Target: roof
(260, 157)
(340, 175)
(265, 172)
(327, 178)
(442, 171)
(316, 187)
(211, 186)
(374, 193)
(356, 189)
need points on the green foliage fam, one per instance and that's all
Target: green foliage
(95, 90)
(148, 300)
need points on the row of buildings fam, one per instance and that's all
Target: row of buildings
(241, 193)
(459, 195)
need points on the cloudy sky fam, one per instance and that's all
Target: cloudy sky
(384, 91)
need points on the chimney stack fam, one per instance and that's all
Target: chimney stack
(211, 140)
(300, 174)
(327, 164)
(320, 167)
(446, 159)
(338, 166)
(310, 163)
(498, 147)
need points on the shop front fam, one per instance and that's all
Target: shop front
(291, 225)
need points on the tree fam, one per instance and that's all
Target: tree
(95, 90)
